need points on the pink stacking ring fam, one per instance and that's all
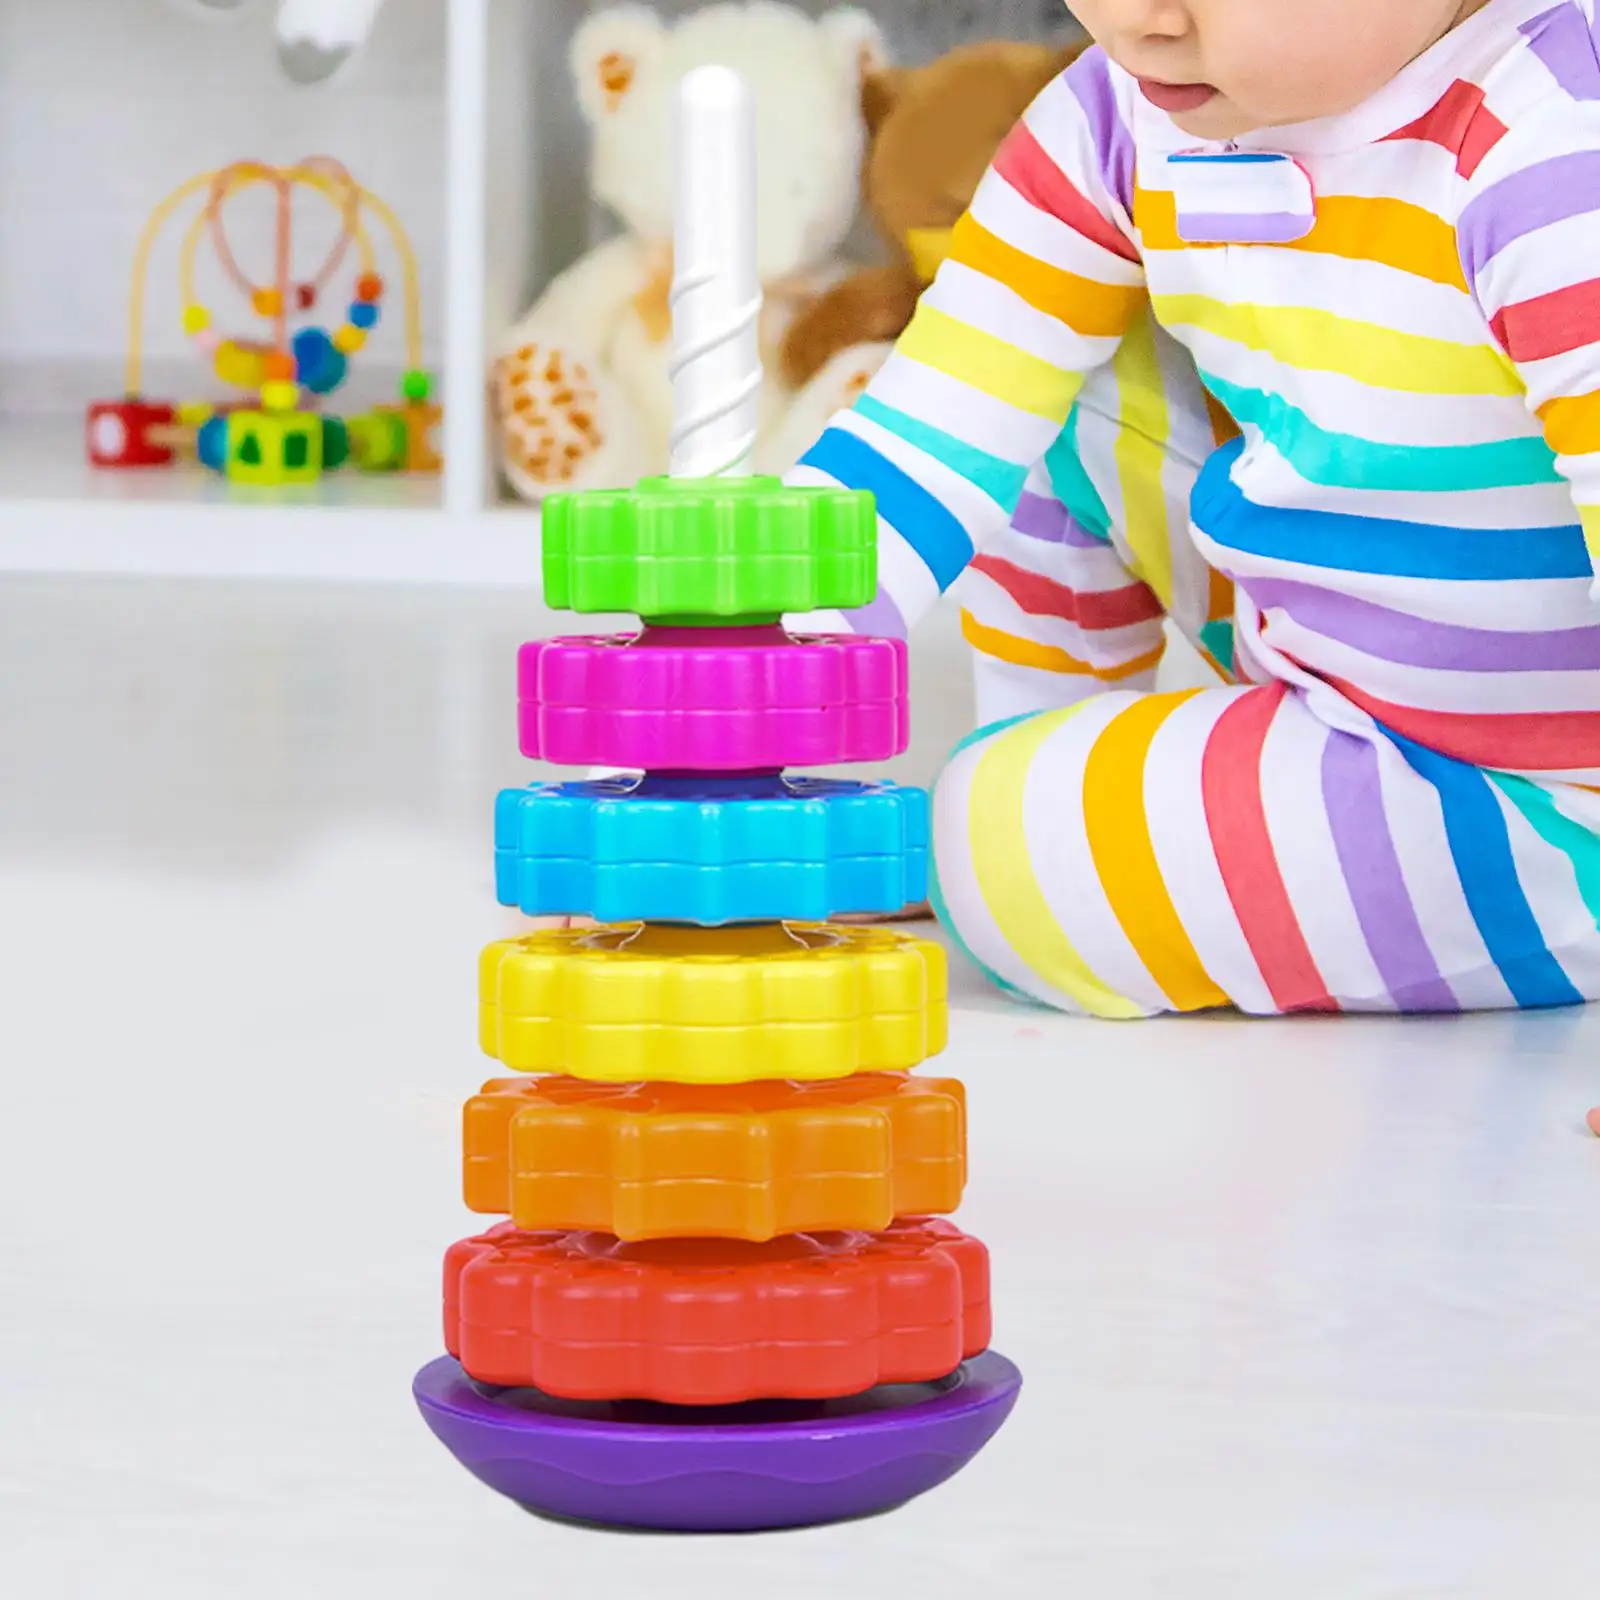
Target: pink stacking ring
(713, 700)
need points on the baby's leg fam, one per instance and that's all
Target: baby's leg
(1261, 848)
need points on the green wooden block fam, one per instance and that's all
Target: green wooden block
(274, 447)
(378, 440)
(335, 443)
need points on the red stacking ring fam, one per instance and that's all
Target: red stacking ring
(583, 1316)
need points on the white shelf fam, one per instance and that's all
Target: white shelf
(156, 539)
(59, 514)
(43, 462)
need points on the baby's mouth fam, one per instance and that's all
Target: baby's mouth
(1176, 98)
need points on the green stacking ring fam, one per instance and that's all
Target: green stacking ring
(710, 551)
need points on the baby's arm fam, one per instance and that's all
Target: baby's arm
(1041, 284)
(1529, 237)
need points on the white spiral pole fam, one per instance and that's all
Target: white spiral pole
(716, 293)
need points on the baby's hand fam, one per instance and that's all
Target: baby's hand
(556, 924)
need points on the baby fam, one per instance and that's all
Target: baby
(1278, 319)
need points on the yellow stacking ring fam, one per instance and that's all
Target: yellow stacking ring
(632, 1004)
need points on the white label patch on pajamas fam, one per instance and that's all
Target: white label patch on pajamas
(1241, 197)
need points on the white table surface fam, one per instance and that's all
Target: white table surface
(1306, 1309)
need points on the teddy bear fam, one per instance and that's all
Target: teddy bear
(933, 131)
(581, 387)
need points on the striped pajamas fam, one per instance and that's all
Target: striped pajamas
(1395, 805)
(1069, 598)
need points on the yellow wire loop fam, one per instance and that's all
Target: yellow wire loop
(233, 180)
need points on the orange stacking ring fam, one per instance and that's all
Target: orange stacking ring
(583, 1316)
(750, 1161)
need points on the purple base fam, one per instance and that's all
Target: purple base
(732, 1469)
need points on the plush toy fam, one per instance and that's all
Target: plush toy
(318, 40)
(934, 130)
(581, 385)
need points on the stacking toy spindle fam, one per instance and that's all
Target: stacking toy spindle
(721, 1293)
(716, 293)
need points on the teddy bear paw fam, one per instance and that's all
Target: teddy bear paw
(857, 383)
(552, 427)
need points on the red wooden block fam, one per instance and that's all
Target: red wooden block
(118, 433)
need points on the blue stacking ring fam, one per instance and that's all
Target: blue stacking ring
(711, 851)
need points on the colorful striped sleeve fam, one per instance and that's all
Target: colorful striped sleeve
(1041, 283)
(1529, 237)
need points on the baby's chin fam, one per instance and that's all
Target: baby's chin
(1217, 121)
(1221, 119)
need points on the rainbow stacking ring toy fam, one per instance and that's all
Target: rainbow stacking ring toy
(719, 1293)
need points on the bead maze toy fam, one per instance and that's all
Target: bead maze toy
(723, 1296)
(279, 439)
